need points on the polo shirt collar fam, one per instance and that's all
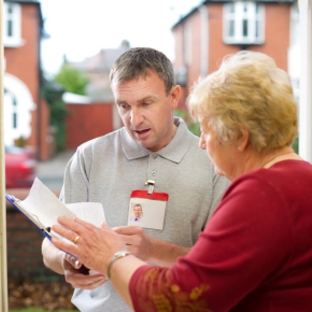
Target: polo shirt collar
(174, 151)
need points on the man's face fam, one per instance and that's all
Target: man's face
(146, 110)
(137, 211)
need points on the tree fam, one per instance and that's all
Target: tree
(72, 80)
(53, 93)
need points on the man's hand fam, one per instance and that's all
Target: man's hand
(138, 242)
(74, 275)
(150, 249)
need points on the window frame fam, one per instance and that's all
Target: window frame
(12, 22)
(235, 15)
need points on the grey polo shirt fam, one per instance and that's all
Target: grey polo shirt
(107, 169)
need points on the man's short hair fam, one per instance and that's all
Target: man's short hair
(138, 62)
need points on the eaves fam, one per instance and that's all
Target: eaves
(207, 2)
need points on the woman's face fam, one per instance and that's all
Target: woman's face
(223, 155)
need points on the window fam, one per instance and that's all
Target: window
(14, 121)
(18, 104)
(11, 24)
(243, 23)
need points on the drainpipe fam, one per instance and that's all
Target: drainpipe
(39, 77)
(204, 51)
(305, 109)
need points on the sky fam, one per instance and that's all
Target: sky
(81, 28)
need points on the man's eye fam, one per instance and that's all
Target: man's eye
(146, 103)
(123, 106)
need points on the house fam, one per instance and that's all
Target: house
(26, 113)
(217, 28)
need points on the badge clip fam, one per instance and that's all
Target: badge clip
(151, 185)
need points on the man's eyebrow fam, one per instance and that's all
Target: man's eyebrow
(119, 101)
(146, 98)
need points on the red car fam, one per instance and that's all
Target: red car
(20, 167)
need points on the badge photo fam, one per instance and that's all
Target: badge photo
(147, 210)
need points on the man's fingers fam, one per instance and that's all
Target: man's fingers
(104, 226)
(91, 285)
(127, 230)
(73, 261)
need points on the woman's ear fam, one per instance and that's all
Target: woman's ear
(243, 138)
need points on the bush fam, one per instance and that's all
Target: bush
(53, 296)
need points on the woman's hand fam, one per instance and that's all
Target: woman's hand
(94, 246)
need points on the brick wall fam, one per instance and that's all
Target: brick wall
(23, 62)
(87, 121)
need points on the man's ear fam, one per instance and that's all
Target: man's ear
(175, 95)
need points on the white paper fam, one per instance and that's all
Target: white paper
(43, 207)
(91, 212)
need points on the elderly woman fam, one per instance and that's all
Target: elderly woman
(255, 253)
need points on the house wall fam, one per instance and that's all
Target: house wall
(23, 62)
(178, 44)
(87, 121)
(217, 48)
(194, 67)
(277, 39)
(277, 34)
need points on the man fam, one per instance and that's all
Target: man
(150, 160)
(137, 213)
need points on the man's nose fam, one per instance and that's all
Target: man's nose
(136, 117)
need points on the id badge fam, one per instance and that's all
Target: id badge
(147, 210)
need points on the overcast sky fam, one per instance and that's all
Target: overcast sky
(81, 28)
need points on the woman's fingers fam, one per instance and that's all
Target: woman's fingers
(84, 224)
(67, 247)
(76, 225)
(64, 232)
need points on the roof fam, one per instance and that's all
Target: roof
(207, 2)
(103, 60)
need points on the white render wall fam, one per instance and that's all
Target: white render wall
(305, 109)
